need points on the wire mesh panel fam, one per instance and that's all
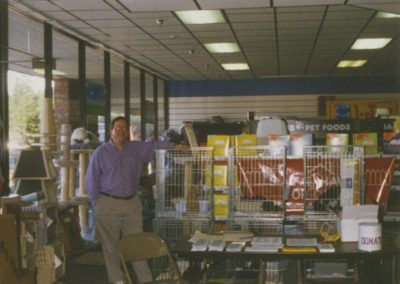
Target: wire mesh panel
(234, 271)
(257, 181)
(280, 272)
(256, 226)
(333, 177)
(379, 173)
(184, 183)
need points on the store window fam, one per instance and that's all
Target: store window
(25, 83)
(149, 106)
(160, 105)
(95, 92)
(67, 107)
(117, 86)
(135, 118)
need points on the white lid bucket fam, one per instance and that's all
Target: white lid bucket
(369, 236)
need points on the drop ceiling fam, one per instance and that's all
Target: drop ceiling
(276, 37)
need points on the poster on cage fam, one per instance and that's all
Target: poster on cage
(378, 174)
(262, 179)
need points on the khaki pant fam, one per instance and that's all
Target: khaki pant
(116, 218)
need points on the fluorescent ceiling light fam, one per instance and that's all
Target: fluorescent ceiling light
(351, 63)
(222, 47)
(384, 15)
(235, 66)
(370, 43)
(201, 17)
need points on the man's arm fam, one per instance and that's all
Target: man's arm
(92, 179)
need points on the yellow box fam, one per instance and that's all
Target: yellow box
(220, 144)
(221, 206)
(246, 140)
(220, 175)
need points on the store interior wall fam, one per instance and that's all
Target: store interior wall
(282, 97)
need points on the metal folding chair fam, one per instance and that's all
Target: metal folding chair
(148, 246)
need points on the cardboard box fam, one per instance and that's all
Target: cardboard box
(221, 209)
(220, 144)
(220, 173)
(353, 215)
(245, 140)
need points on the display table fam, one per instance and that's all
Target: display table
(374, 267)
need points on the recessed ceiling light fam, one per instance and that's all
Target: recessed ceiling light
(201, 17)
(235, 66)
(222, 47)
(384, 15)
(351, 63)
(370, 43)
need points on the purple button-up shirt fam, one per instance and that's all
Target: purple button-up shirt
(117, 172)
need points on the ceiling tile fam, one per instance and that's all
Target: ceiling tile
(110, 23)
(98, 15)
(278, 3)
(61, 16)
(76, 24)
(229, 4)
(159, 5)
(42, 6)
(166, 29)
(254, 26)
(386, 6)
(251, 17)
(77, 5)
(310, 36)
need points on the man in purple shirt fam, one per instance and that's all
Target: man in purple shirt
(112, 183)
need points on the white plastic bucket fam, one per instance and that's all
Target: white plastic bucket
(369, 236)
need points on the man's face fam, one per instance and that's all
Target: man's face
(120, 131)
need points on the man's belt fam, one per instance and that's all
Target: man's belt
(118, 197)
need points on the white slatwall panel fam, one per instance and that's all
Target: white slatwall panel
(235, 108)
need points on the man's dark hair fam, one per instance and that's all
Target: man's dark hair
(118, 118)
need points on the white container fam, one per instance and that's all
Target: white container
(369, 236)
(204, 206)
(269, 125)
(180, 205)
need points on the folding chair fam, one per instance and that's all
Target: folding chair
(147, 246)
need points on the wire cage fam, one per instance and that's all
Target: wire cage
(257, 182)
(256, 226)
(280, 272)
(333, 177)
(379, 176)
(337, 270)
(184, 183)
(172, 231)
(239, 270)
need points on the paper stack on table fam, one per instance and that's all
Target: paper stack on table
(300, 245)
(200, 245)
(216, 245)
(326, 247)
(235, 246)
(265, 244)
(301, 242)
